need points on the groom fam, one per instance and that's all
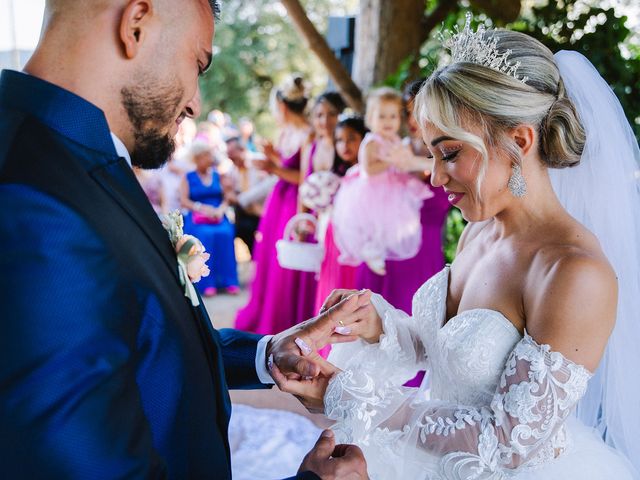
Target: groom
(106, 368)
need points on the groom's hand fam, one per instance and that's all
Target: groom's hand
(335, 462)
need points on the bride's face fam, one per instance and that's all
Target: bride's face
(457, 166)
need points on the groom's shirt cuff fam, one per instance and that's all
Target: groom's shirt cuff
(261, 360)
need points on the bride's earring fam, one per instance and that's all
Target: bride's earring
(517, 185)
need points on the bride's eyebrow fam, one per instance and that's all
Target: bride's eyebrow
(437, 140)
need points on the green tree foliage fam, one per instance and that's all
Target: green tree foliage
(598, 33)
(255, 47)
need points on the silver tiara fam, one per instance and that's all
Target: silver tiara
(480, 48)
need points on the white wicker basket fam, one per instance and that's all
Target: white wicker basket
(296, 255)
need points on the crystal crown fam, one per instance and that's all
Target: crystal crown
(481, 48)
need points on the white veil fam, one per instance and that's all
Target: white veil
(603, 193)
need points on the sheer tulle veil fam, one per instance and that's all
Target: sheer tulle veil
(603, 192)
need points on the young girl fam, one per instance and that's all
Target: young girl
(377, 210)
(349, 134)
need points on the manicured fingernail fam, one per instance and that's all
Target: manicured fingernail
(306, 349)
(343, 330)
(327, 433)
(270, 362)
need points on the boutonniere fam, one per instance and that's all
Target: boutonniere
(190, 252)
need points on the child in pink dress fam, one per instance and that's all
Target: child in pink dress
(348, 137)
(376, 214)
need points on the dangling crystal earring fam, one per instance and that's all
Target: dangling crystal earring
(517, 185)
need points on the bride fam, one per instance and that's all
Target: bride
(512, 332)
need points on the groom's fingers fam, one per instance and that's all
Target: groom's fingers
(325, 445)
(292, 364)
(326, 368)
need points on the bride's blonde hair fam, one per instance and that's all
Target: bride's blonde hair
(464, 95)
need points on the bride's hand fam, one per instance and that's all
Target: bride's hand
(365, 323)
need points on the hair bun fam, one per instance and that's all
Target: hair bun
(562, 137)
(294, 89)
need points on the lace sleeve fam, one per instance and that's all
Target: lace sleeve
(522, 425)
(397, 357)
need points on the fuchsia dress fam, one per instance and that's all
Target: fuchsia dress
(280, 298)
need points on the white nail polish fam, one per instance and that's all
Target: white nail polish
(343, 330)
(306, 349)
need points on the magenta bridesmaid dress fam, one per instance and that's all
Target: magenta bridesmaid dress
(280, 298)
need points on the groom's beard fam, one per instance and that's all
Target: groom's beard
(151, 110)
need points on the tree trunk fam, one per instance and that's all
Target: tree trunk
(317, 43)
(387, 32)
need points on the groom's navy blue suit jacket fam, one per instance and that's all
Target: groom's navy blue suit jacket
(106, 370)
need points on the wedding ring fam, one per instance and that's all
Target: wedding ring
(341, 323)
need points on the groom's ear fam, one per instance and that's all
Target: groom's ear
(135, 24)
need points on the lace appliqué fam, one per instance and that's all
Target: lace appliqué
(522, 428)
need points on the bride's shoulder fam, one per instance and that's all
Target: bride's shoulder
(571, 298)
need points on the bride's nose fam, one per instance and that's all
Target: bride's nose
(439, 176)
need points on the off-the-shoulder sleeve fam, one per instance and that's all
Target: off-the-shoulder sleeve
(521, 427)
(399, 354)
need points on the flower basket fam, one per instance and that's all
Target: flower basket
(297, 255)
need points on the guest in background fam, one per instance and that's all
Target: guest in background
(280, 297)
(246, 129)
(250, 190)
(348, 136)
(319, 154)
(151, 183)
(174, 171)
(204, 194)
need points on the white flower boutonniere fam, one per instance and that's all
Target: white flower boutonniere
(191, 255)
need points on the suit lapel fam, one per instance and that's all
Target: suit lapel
(118, 180)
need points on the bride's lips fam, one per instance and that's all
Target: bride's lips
(454, 197)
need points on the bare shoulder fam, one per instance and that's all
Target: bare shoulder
(571, 298)
(471, 231)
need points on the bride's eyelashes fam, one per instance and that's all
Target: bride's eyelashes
(447, 155)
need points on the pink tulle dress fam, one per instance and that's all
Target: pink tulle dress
(377, 217)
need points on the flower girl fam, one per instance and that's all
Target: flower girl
(377, 209)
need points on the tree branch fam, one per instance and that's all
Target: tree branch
(319, 46)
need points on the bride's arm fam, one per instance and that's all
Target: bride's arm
(394, 351)
(539, 387)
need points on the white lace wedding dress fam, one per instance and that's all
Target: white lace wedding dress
(499, 405)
